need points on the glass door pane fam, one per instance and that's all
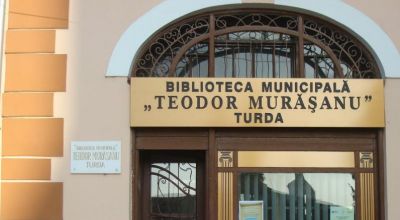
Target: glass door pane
(173, 190)
(296, 196)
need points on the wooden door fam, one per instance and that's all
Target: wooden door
(173, 185)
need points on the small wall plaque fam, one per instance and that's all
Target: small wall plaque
(96, 157)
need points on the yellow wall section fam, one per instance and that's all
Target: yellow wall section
(33, 137)
(27, 104)
(45, 14)
(35, 72)
(30, 41)
(31, 78)
(26, 169)
(31, 201)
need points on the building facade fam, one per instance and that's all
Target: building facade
(220, 109)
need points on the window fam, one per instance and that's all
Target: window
(298, 196)
(255, 43)
(173, 185)
(278, 174)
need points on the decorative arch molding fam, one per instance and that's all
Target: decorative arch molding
(372, 35)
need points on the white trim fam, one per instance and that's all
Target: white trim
(359, 23)
(130, 42)
(139, 31)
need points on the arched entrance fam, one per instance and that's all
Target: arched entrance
(256, 173)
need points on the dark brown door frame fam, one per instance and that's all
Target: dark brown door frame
(210, 140)
(197, 139)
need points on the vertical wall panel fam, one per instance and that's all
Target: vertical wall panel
(26, 169)
(33, 137)
(35, 72)
(31, 201)
(225, 196)
(30, 41)
(44, 14)
(28, 104)
(367, 190)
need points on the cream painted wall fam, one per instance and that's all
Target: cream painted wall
(384, 12)
(392, 145)
(97, 108)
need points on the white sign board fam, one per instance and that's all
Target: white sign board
(341, 213)
(96, 157)
(251, 210)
